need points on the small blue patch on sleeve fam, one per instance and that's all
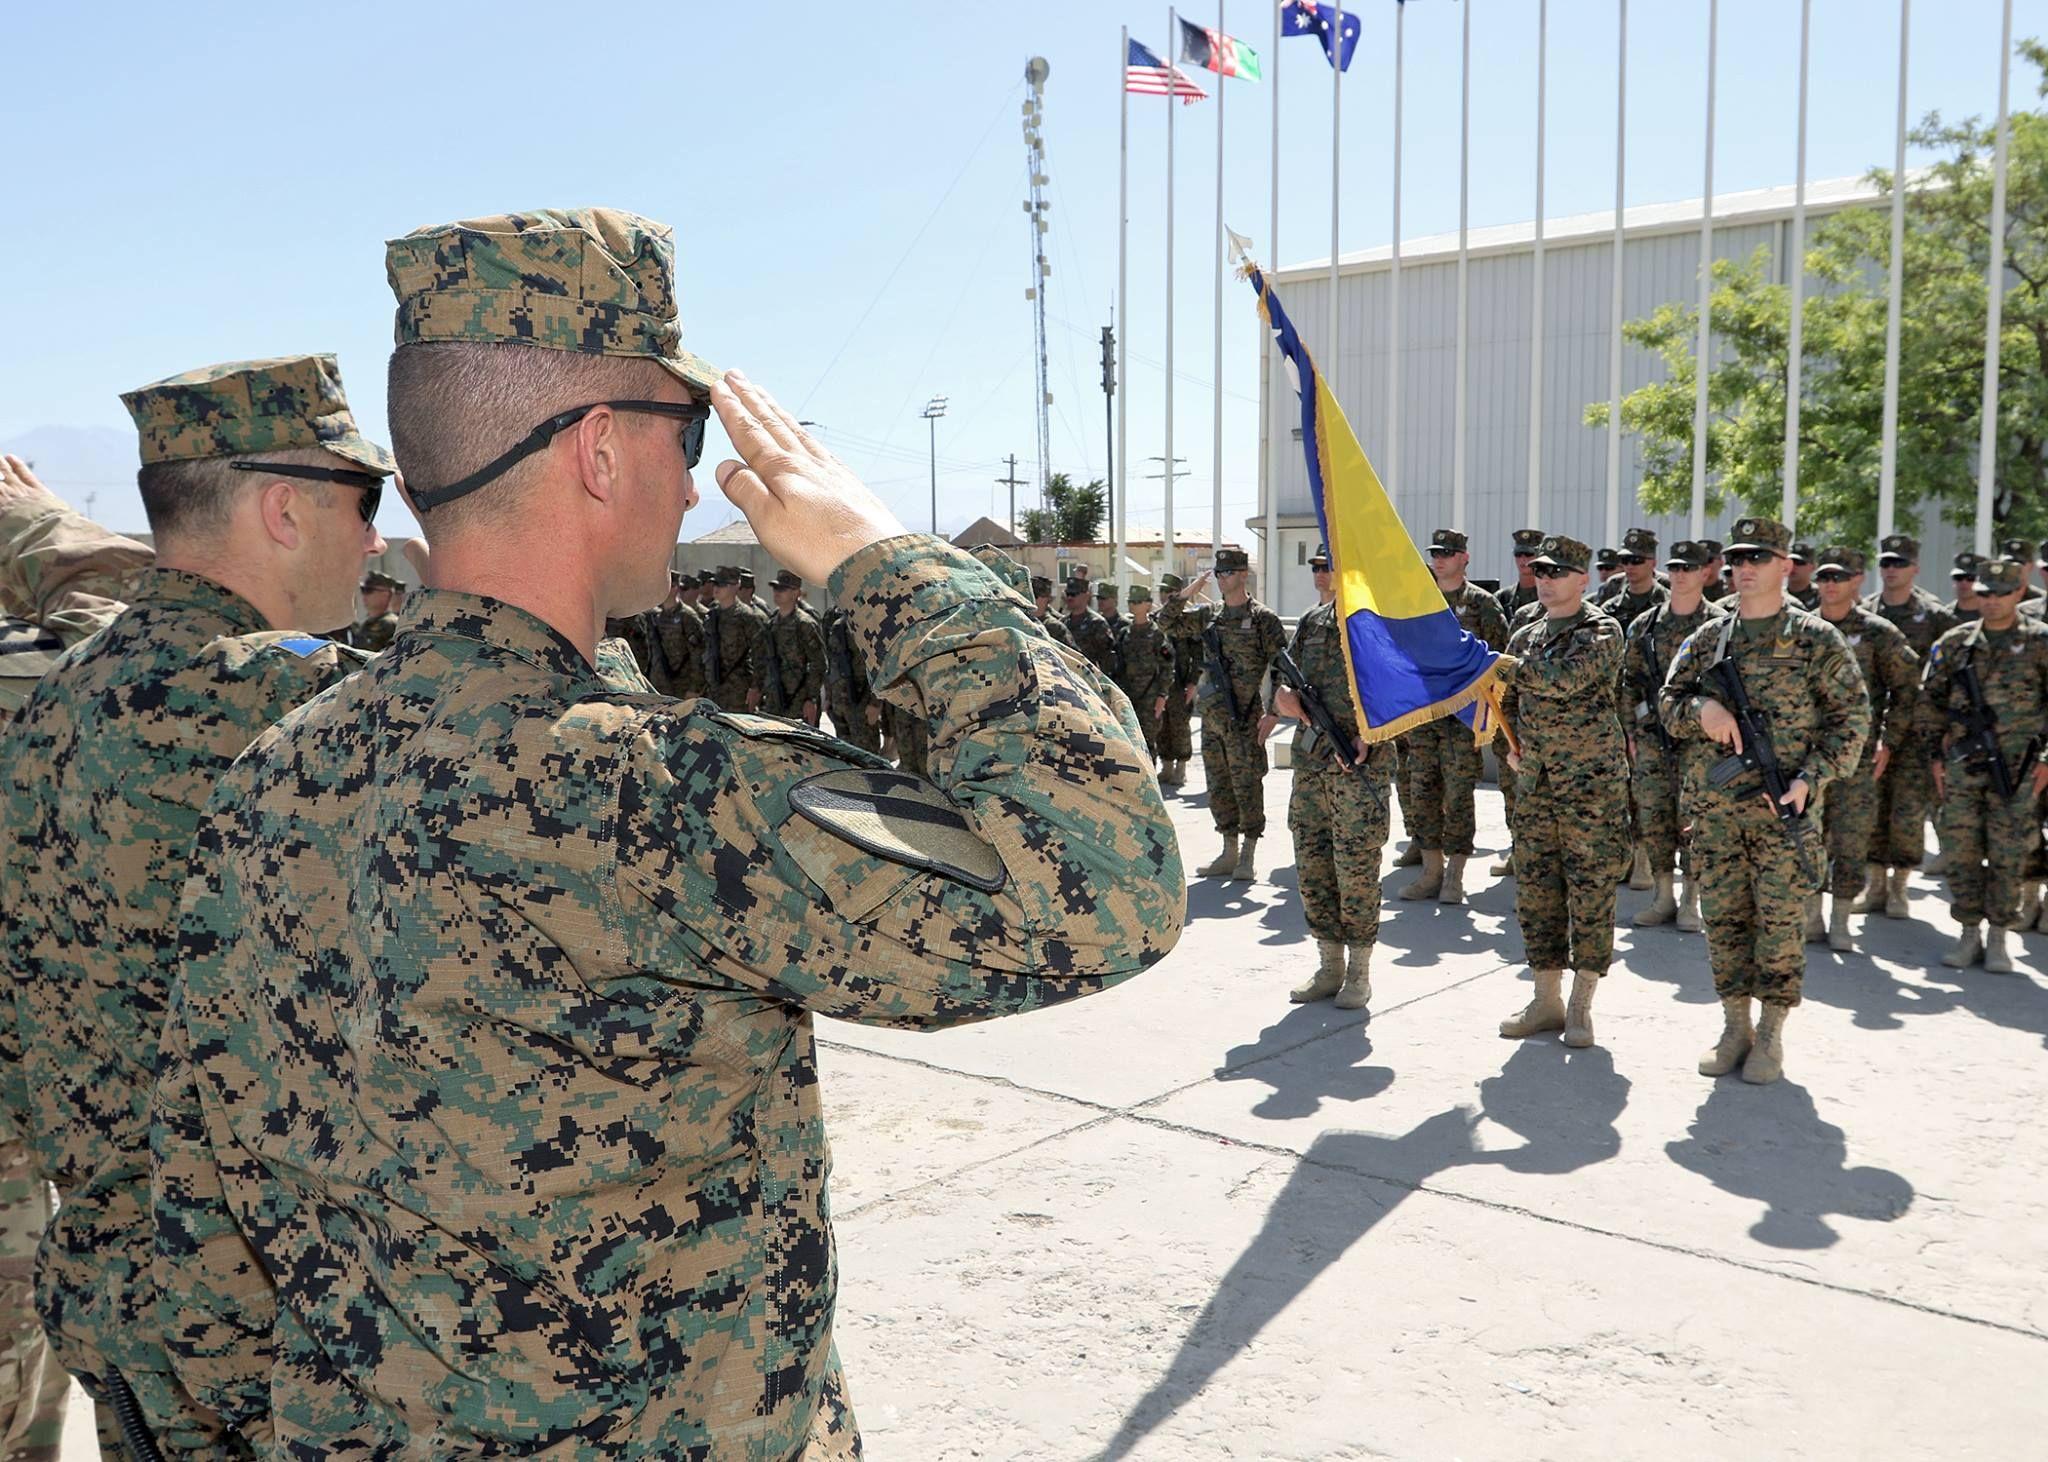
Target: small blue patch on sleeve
(304, 645)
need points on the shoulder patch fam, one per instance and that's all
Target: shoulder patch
(304, 645)
(902, 818)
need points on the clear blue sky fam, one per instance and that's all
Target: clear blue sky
(208, 181)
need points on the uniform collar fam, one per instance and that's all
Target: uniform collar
(447, 614)
(187, 592)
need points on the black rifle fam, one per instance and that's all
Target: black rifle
(712, 669)
(1217, 666)
(1648, 684)
(1319, 718)
(135, 1437)
(1978, 745)
(773, 695)
(1760, 755)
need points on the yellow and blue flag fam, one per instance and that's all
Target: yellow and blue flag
(1411, 661)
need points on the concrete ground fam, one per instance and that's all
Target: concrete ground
(1188, 1220)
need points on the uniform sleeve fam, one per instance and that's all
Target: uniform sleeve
(1930, 714)
(814, 665)
(619, 670)
(1588, 666)
(1493, 624)
(1898, 671)
(1066, 876)
(1843, 707)
(60, 569)
(1678, 703)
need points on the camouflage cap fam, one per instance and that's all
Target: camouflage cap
(1076, 584)
(1898, 548)
(1527, 540)
(245, 406)
(1138, 594)
(1767, 534)
(1839, 556)
(1688, 553)
(1041, 586)
(1605, 558)
(1712, 546)
(1232, 560)
(1801, 553)
(1106, 590)
(1998, 576)
(786, 580)
(1320, 559)
(1011, 572)
(1448, 540)
(2019, 550)
(746, 578)
(378, 579)
(725, 575)
(597, 281)
(1565, 552)
(1966, 565)
(1640, 542)
(1171, 583)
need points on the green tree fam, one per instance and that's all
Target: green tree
(1941, 355)
(1073, 513)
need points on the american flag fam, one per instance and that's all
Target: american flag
(1146, 74)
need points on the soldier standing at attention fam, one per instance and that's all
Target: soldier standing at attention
(1337, 810)
(1891, 678)
(379, 624)
(1717, 576)
(1799, 579)
(1055, 625)
(856, 714)
(1148, 675)
(1444, 766)
(1088, 630)
(729, 633)
(1176, 738)
(262, 496)
(1653, 642)
(1570, 842)
(2021, 551)
(1986, 835)
(1238, 641)
(1801, 679)
(1906, 796)
(1513, 599)
(678, 636)
(789, 657)
(1105, 605)
(1639, 591)
(626, 909)
(1963, 608)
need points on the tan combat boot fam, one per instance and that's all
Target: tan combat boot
(1895, 894)
(1766, 1061)
(1689, 908)
(2030, 903)
(1411, 855)
(1872, 898)
(1839, 938)
(1357, 989)
(1968, 949)
(1223, 862)
(1430, 881)
(1662, 909)
(1504, 866)
(1816, 926)
(2042, 926)
(1997, 958)
(1543, 1013)
(1639, 870)
(1329, 975)
(1453, 891)
(1578, 1020)
(1736, 1038)
(1247, 866)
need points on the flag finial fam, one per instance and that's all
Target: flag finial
(1241, 250)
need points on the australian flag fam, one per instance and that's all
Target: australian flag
(1308, 18)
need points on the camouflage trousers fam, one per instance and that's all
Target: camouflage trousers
(1149, 723)
(730, 694)
(1905, 797)
(1175, 741)
(1339, 821)
(1234, 765)
(1849, 817)
(1653, 783)
(33, 1386)
(1507, 787)
(1445, 768)
(1985, 842)
(1753, 899)
(1569, 849)
(913, 738)
(850, 722)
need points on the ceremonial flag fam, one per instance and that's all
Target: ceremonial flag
(1146, 74)
(1411, 661)
(1215, 51)
(1308, 18)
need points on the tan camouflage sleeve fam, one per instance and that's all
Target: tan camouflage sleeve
(1898, 670)
(1063, 875)
(813, 690)
(1842, 708)
(60, 569)
(1930, 711)
(1588, 665)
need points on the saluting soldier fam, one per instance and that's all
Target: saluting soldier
(1570, 840)
(1906, 796)
(1337, 810)
(261, 495)
(1176, 737)
(1798, 674)
(1238, 641)
(379, 624)
(581, 1208)
(1442, 763)
(1087, 629)
(1146, 657)
(1986, 833)
(1891, 678)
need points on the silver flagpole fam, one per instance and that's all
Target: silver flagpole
(1464, 294)
(1699, 402)
(1536, 292)
(1173, 104)
(1216, 359)
(1987, 435)
(1795, 266)
(1888, 461)
(1329, 364)
(1615, 301)
(1123, 311)
(1390, 480)
(1269, 440)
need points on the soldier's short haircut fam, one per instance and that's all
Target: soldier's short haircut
(196, 497)
(454, 405)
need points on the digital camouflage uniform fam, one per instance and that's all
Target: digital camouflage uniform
(1248, 636)
(847, 694)
(62, 578)
(1986, 838)
(1091, 635)
(1627, 604)
(1176, 735)
(728, 652)
(1570, 804)
(1146, 664)
(1513, 599)
(1654, 780)
(635, 634)
(112, 760)
(374, 634)
(791, 649)
(1905, 794)
(1891, 679)
(1442, 762)
(1801, 678)
(677, 636)
(1338, 816)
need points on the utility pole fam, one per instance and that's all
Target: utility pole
(1109, 425)
(933, 410)
(1012, 482)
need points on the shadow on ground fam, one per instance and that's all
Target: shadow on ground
(1338, 1072)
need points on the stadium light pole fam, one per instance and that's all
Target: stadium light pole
(933, 410)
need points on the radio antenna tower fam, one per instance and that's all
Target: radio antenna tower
(1035, 207)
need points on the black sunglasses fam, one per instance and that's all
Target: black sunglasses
(694, 416)
(1437, 550)
(1525, 553)
(371, 484)
(1553, 570)
(1741, 557)
(1630, 560)
(1835, 576)
(1984, 593)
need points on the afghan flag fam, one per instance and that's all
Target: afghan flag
(1411, 661)
(1215, 51)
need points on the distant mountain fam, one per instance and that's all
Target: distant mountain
(90, 467)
